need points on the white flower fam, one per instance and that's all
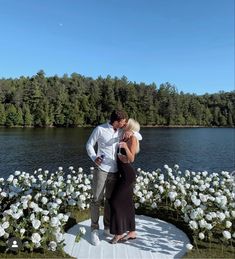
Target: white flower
(193, 225)
(44, 200)
(202, 188)
(146, 180)
(208, 226)
(10, 178)
(55, 222)
(137, 205)
(72, 202)
(71, 168)
(227, 234)
(82, 230)
(43, 230)
(189, 247)
(36, 223)
(5, 225)
(166, 167)
(17, 173)
(2, 231)
(154, 205)
(201, 235)
(202, 223)
(36, 238)
(22, 231)
(233, 213)
(60, 168)
(196, 201)
(80, 170)
(228, 224)
(4, 194)
(45, 218)
(203, 197)
(82, 197)
(59, 237)
(209, 217)
(177, 203)
(172, 195)
(139, 194)
(52, 246)
(221, 216)
(161, 189)
(32, 205)
(176, 167)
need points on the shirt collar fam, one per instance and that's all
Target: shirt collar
(111, 127)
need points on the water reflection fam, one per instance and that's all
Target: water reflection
(194, 149)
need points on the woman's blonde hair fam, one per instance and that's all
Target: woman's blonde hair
(133, 125)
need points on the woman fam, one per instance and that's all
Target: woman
(121, 202)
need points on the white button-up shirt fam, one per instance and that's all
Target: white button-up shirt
(107, 139)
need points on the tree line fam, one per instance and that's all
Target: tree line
(75, 100)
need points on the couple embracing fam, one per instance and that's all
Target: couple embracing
(114, 176)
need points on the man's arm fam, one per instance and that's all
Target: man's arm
(91, 143)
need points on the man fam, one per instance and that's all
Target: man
(107, 136)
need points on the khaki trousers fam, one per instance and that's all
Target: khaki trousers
(103, 184)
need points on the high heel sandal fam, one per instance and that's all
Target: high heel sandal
(126, 238)
(115, 240)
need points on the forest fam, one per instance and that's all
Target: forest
(76, 100)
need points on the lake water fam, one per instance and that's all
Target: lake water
(197, 149)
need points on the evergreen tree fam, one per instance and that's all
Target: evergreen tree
(2, 115)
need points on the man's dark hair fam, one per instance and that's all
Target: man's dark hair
(118, 115)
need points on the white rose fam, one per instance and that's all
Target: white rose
(189, 247)
(5, 225)
(201, 235)
(52, 246)
(2, 231)
(228, 224)
(227, 234)
(82, 230)
(36, 223)
(36, 238)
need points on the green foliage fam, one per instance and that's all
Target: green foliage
(2, 115)
(76, 100)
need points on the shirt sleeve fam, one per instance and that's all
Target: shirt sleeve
(138, 135)
(91, 144)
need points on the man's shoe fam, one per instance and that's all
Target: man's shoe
(95, 241)
(107, 233)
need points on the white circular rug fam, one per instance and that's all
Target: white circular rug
(155, 239)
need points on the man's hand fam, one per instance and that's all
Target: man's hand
(98, 160)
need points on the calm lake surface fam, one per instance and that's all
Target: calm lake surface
(195, 149)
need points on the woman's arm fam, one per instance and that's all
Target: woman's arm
(130, 148)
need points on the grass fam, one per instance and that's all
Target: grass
(204, 249)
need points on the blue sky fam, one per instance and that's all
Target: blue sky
(188, 43)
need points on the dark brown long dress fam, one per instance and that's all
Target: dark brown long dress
(121, 203)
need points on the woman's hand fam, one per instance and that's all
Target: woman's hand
(127, 134)
(123, 158)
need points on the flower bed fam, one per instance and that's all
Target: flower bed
(35, 208)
